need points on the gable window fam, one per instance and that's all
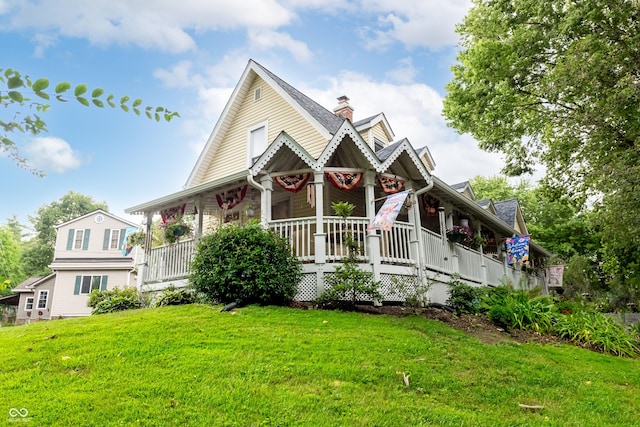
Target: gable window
(85, 284)
(28, 305)
(257, 94)
(256, 142)
(42, 299)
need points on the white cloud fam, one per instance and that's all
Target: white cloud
(264, 40)
(162, 25)
(404, 73)
(52, 155)
(414, 112)
(426, 23)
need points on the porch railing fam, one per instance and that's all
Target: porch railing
(170, 262)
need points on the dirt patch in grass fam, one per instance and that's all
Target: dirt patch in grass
(478, 326)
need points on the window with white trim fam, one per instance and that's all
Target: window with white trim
(77, 240)
(28, 305)
(256, 141)
(43, 296)
(114, 241)
(86, 284)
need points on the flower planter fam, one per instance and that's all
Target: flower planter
(456, 238)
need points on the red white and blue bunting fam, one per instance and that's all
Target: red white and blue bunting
(344, 180)
(390, 185)
(172, 213)
(293, 183)
(231, 198)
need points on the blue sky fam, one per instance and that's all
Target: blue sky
(391, 56)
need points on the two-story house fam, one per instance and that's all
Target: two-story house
(278, 156)
(88, 255)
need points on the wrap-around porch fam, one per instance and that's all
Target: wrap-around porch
(395, 256)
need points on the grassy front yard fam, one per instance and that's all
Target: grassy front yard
(266, 366)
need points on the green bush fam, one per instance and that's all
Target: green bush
(501, 315)
(464, 298)
(597, 331)
(173, 296)
(348, 285)
(115, 299)
(245, 264)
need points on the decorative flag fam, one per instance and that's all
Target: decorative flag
(518, 249)
(554, 276)
(388, 212)
(344, 180)
(230, 199)
(293, 183)
(126, 247)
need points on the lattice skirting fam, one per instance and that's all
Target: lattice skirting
(307, 288)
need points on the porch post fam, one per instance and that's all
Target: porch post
(146, 253)
(373, 238)
(483, 265)
(319, 238)
(416, 244)
(200, 207)
(265, 200)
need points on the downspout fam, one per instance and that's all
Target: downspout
(418, 230)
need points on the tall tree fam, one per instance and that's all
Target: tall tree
(558, 82)
(15, 98)
(38, 253)
(10, 265)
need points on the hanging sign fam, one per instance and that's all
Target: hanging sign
(554, 276)
(518, 249)
(388, 213)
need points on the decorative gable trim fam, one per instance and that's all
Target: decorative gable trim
(405, 147)
(282, 140)
(348, 129)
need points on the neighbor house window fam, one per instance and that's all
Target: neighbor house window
(115, 239)
(86, 284)
(29, 304)
(257, 142)
(77, 241)
(42, 299)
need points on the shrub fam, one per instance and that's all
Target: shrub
(597, 331)
(245, 264)
(173, 296)
(115, 299)
(501, 315)
(464, 298)
(347, 286)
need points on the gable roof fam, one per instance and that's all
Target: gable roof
(31, 283)
(371, 121)
(464, 187)
(323, 120)
(506, 210)
(94, 213)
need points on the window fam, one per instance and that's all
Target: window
(29, 304)
(115, 239)
(42, 299)
(257, 94)
(257, 142)
(77, 240)
(85, 284)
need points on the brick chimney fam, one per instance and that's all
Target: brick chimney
(344, 109)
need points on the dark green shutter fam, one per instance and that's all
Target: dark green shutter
(70, 239)
(107, 237)
(103, 285)
(85, 241)
(76, 289)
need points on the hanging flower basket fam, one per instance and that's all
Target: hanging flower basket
(175, 229)
(458, 234)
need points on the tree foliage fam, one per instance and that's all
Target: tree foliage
(10, 265)
(18, 92)
(559, 83)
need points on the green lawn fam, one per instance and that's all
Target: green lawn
(266, 366)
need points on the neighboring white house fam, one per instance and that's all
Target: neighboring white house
(88, 255)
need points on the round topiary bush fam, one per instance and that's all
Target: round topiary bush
(245, 264)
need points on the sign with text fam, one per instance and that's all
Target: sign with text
(388, 212)
(518, 249)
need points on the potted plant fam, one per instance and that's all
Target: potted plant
(458, 233)
(175, 229)
(137, 238)
(478, 240)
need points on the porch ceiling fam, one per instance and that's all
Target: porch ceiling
(205, 192)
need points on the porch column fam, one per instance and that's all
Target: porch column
(373, 238)
(483, 265)
(417, 245)
(200, 207)
(319, 238)
(265, 200)
(146, 253)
